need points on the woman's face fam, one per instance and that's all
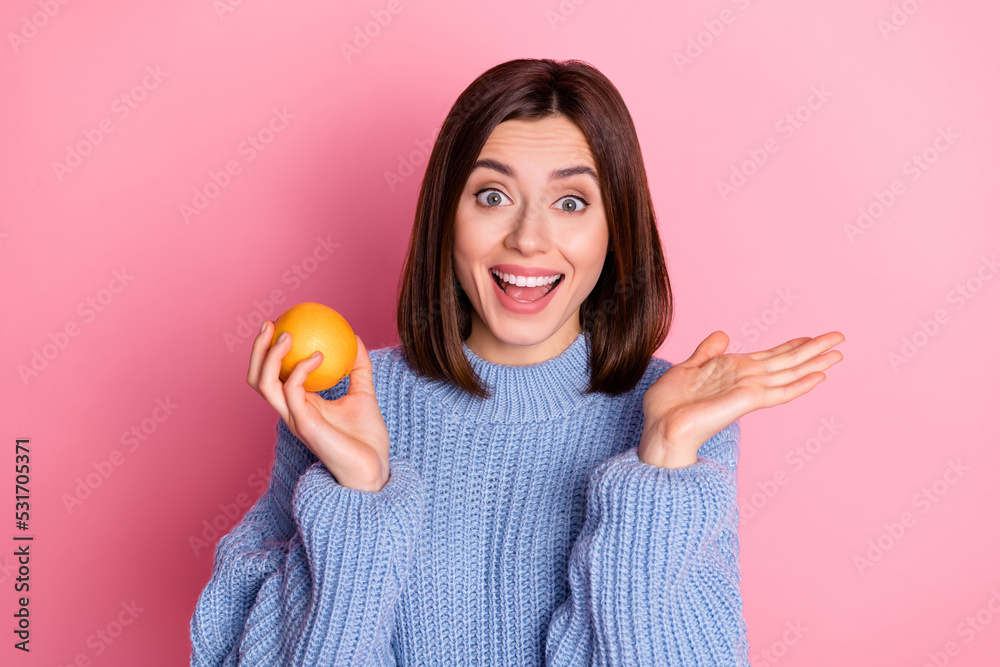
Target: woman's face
(531, 209)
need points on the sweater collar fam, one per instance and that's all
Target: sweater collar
(538, 392)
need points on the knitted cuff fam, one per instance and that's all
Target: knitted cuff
(652, 507)
(329, 514)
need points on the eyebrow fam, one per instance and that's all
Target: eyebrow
(555, 174)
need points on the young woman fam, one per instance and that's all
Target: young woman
(520, 481)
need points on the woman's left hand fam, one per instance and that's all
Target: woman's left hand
(699, 397)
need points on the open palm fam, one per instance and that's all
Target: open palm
(697, 398)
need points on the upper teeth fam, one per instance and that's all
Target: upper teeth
(526, 281)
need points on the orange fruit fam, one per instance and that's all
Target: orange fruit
(314, 326)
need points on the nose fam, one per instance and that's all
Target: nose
(530, 234)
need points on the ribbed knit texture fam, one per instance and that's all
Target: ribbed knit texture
(517, 530)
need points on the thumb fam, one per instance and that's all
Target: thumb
(713, 346)
(361, 374)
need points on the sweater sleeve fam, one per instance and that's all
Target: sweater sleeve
(332, 600)
(311, 573)
(654, 574)
(245, 556)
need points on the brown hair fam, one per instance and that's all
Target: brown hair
(628, 313)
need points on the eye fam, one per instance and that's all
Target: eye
(573, 207)
(493, 199)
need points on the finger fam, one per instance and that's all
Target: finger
(778, 395)
(260, 345)
(270, 375)
(784, 347)
(361, 374)
(803, 352)
(295, 391)
(815, 364)
(714, 345)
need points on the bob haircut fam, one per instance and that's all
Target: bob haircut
(628, 313)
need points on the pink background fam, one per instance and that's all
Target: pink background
(168, 329)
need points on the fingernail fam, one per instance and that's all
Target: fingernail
(314, 354)
(263, 326)
(283, 336)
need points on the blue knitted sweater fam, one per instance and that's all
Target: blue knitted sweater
(517, 530)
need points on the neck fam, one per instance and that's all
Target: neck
(485, 345)
(535, 392)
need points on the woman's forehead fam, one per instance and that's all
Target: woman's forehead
(549, 131)
(550, 142)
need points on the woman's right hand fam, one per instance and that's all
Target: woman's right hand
(348, 435)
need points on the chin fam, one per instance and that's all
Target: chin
(524, 333)
(515, 336)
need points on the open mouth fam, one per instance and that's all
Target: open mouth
(524, 293)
